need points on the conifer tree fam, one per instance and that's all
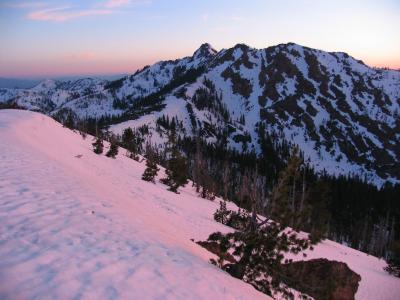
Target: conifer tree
(131, 143)
(288, 203)
(317, 210)
(225, 179)
(69, 121)
(82, 128)
(151, 165)
(113, 151)
(222, 214)
(201, 177)
(98, 146)
(176, 166)
(259, 249)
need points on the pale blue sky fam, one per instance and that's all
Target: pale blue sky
(56, 38)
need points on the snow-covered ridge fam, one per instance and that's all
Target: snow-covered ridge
(76, 224)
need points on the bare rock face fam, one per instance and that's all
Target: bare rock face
(215, 248)
(322, 279)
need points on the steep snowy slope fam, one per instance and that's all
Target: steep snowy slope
(78, 225)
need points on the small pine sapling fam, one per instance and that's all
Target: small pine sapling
(113, 151)
(98, 146)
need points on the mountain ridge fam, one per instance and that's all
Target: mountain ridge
(343, 114)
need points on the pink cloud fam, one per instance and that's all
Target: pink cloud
(61, 14)
(116, 3)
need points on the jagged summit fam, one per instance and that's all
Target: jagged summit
(205, 50)
(242, 46)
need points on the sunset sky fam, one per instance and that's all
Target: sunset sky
(93, 37)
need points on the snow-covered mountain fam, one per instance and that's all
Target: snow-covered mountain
(343, 114)
(79, 225)
(50, 94)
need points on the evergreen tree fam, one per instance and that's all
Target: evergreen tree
(151, 165)
(259, 244)
(113, 151)
(394, 259)
(69, 121)
(82, 128)
(131, 142)
(319, 197)
(176, 166)
(285, 193)
(259, 249)
(98, 146)
(201, 178)
(222, 214)
(225, 179)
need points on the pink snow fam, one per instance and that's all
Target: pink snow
(74, 224)
(90, 228)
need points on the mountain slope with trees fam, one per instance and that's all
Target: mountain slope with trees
(342, 114)
(238, 114)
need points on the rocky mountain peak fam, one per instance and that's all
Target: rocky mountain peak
(205, 50)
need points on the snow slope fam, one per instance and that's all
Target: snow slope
(89, 228)
(75, 225)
